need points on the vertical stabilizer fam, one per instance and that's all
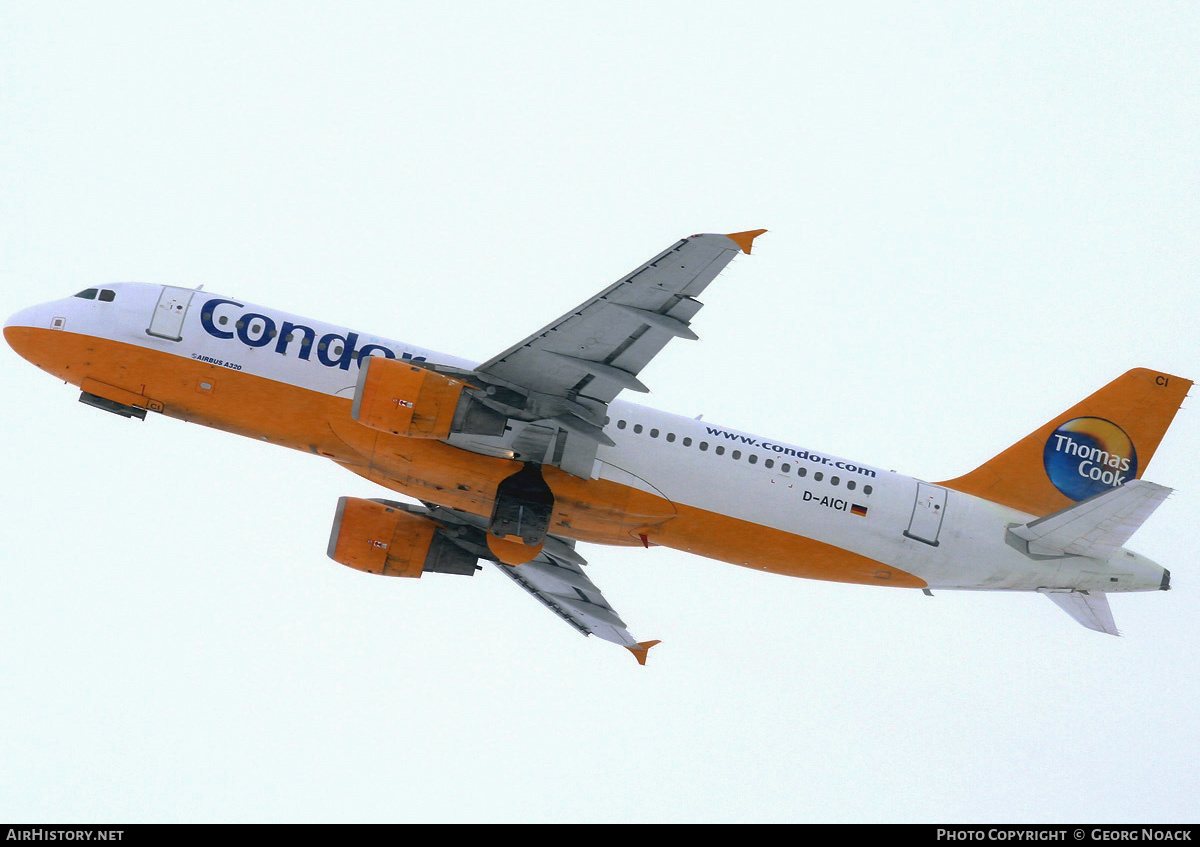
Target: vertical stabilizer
(1096, 445)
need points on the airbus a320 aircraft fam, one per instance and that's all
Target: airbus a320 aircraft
(517, 459)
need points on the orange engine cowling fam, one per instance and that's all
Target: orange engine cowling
(396, 396)
(387, 539)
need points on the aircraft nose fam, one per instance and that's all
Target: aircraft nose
(21, 318)
(19, 328)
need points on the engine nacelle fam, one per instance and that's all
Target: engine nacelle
(387, 539)
(399, 397)
(396, 396)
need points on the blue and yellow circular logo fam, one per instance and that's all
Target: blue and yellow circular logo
(1088, 456)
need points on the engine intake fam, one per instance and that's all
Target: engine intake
(391, 540)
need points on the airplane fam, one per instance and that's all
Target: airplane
(517, 460)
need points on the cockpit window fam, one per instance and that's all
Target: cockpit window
(106, 295)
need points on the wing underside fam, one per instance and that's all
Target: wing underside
(555, 578)
(555, 386)
(598, 348)
(562, 587)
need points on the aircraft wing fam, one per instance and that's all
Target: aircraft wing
(561, 379)
(599, 347)
(555, 577)
(559, 583)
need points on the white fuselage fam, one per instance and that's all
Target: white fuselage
(945, 538)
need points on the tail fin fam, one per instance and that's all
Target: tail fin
(1098, 444)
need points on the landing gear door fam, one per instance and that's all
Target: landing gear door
(167, 320)
(928, 512)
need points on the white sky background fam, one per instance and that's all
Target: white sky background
(978, 214)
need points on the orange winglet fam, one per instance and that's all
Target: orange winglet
(745, 239)
(641, 650)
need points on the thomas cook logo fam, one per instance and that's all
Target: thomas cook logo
(1088, 456)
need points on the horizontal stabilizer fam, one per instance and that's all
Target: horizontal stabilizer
(1091, 610)
(1098, 527)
